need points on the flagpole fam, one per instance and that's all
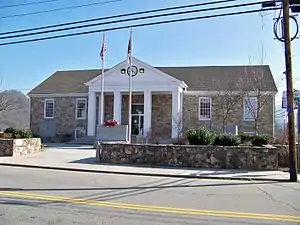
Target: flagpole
(102, 82)
(130, 91)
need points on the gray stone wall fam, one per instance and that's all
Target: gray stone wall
(109, 107)
(64, 121)
(251, 158)
(161, 121)
(236, 117)
(19, 147)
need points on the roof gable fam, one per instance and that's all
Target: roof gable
(150, 75)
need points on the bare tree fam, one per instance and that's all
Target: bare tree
(254, 88)
(227, 99)
(5, 104)
(178, 123)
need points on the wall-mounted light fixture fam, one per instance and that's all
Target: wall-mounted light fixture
(123, 71)
(141, 70)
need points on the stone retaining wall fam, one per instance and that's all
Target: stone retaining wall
(19, 147)
(246, 157)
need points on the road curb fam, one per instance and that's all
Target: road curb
(139, 173)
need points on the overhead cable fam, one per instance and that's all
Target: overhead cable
(60, 9)
(27, 3)
(130, 19)
(117, 16)
(138, 25)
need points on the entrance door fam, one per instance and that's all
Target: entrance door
(137, 119)
(137, 124)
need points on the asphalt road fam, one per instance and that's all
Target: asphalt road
(43, 197)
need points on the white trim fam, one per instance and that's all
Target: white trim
(176, 106)
(211, 93)
(147, 112)
(147, 66)
(76, 109)
(138, 103)
(79, 129)
(91, 120)
(244, 108)
(117, 106)
(165, 75)
(45, 106)
(199, 107)
(124, 88)
(109, 71)
(52, 95)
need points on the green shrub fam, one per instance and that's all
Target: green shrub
(25, 133)
(19, 133)
(245, 137)
(227, 140)
(260, 140)
(200, 136)
(10, 130)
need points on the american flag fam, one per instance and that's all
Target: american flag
(103, 48)
(129, 50)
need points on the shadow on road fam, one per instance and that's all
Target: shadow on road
(197, 171)
(134, 187)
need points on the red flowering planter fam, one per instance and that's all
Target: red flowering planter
(110, 123)
(111, 130)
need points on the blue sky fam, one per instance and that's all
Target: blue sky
(218, 41)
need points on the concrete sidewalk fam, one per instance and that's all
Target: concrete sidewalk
(82, 159)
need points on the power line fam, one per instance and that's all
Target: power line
(59, 9)
(131, 19)
(138, 25)
(117, 16)
(27, 3)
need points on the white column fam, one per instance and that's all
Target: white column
(91, 125)
(101, 111)
(117, 106)
(147, 111)
(176, 111)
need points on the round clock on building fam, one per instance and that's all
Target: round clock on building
(133, 70)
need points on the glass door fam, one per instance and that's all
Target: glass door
(137, 124)
(137, 119)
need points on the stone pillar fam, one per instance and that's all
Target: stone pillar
(176, 111)
(147, 111)
(117, 106)
(91, 124)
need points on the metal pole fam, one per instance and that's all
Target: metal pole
(102, 86)
(298, 128)
(290, 93)
(130, 93)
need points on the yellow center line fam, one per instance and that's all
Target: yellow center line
(161, 209)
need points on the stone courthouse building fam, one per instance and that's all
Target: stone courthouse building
(67, 103)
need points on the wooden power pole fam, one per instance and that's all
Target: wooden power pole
(290, 92)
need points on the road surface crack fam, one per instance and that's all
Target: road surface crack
(276, 200)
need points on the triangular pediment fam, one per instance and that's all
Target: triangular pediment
(144, 74)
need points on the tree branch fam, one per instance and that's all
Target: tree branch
(5, 104)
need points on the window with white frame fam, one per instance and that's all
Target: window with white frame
(49, 108)
(79, 132)
(81, 108)
(204, 108)
(250, 108)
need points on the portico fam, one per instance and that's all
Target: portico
(149, 87)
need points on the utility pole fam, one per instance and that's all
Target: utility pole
(290, 92)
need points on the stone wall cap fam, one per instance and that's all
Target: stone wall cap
(188, 146)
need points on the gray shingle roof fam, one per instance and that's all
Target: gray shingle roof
(197, 78)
